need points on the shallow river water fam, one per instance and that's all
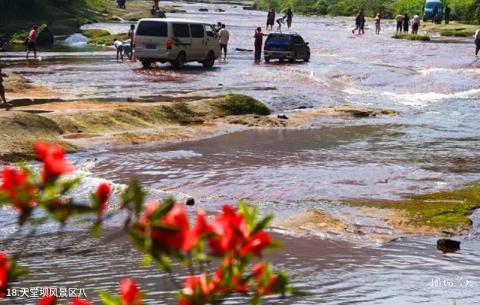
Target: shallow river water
(433, 144)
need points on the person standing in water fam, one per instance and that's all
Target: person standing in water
(358, 22)
(406, 23)
(32, 41)
(289, 17)
(119, 47)
(258, 44)
(477, 42)
(399, 20)
(224, 37)
(415, 24)
(378, 19)
(2, 92)
(131, 36)
(271, 19)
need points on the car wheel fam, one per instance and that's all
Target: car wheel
(179, 63)
(293, 59)
(209, 61)
(307, 57)
(267, 59)
(146, 63)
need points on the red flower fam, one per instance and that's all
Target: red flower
(47, 300)
(198, 283)
(4, 270)
(18, 188)
(78, 301)
(231, 231)
(258, 270)
(130, 293)
(256, 244)
(103, 194)
(180, 236)
(53, 158)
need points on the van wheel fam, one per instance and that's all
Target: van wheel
(293, 59)
(209, 61)
(179, 63)
(267, 59)
(146, 63)
(307, 57)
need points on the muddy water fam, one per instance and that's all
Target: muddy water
(432, 145)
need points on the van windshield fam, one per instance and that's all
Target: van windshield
(152, 28)
(432, 5)
(278, 41)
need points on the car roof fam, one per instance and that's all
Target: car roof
(172, 20)
(282, 34)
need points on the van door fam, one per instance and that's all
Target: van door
(150, 39)
(199, 47)
(182, 41)
(211, 40)
(299, 46)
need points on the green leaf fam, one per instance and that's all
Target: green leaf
(250, 214)
(108, 299)
(135, 195)
(96, 229)
(146, 261)
(263, 224)
(163, 209)
(164, 263)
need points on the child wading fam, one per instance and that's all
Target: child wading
(2, 92)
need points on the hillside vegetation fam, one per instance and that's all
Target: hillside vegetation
(464, 10)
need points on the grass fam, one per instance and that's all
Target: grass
(414, 37)
(102, 37)
(453, 29)
(448, 210)
(237, 104)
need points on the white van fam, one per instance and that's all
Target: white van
(176, 41)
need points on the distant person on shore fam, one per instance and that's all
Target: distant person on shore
(224, 37)
(358, 22)
(406, 23)
(155, 4)
(447, 10)
(119, 47)
(258, 44)
(271, 19)
(2, 92)
(378, 20)
(477, 42)
(131, 36)
(399, 20)
(289, 18)
(32, 41)
(415, 24)
(122, 4)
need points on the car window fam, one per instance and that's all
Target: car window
(210, 31)
(152, 28)
(197, 30)
(181, 30)
(298, 40)
(278, 41)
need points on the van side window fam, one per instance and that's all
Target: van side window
(197, 30)
(210, 31)
(152, 28)
(181, 30)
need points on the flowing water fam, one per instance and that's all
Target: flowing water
(433, 144)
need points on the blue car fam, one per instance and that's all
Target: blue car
(430, 7)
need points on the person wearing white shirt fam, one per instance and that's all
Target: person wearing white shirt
(415, 24)
(224, 37)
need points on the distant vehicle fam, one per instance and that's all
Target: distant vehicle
(175, 41)
(289, 47)
(430, 7)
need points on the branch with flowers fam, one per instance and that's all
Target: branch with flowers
(233, 240)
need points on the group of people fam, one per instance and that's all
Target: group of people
(126, 47)
(156, 11)
(288, 17)
(404, 22)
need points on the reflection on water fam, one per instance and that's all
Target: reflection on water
(431, 145)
